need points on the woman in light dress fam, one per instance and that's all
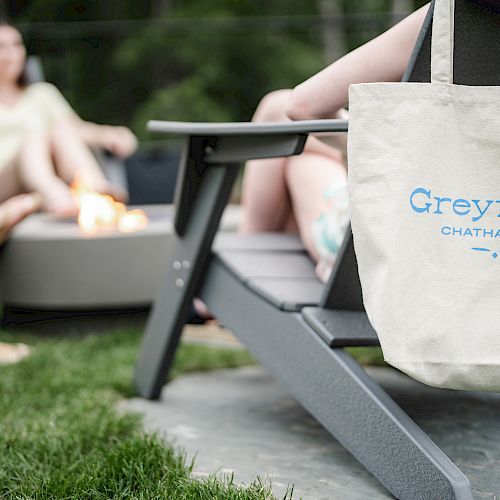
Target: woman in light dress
(43, 144)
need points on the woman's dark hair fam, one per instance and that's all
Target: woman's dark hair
(22, 81)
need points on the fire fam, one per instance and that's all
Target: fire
(99, 212)
(133, 220)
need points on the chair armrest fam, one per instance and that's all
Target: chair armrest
(228, 145)
(234, 143)
(247, 128)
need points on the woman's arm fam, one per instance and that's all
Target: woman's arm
(382, 59)
(118, 140)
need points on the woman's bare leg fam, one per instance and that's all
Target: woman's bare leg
(43, 157)
(265, 196)
(12, 211)
(308, 176)
(73, 158)
(35, 171)
(32, 170)
(10, 181)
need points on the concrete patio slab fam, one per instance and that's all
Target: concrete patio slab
(242, 421)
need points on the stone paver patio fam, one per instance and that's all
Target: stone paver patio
(242, 421)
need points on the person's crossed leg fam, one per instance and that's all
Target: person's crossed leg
(47, 163)
(13, 211)
(291, 194)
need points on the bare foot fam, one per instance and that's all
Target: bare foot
(201, 309)
(15, 209)
(13, 353)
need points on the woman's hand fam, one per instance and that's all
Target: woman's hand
(117, 140)
(15, 209)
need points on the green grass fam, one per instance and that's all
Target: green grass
(367, 355)
(61, 436)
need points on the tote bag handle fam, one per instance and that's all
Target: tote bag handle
(442, 41)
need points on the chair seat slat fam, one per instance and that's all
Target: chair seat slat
(341, 328)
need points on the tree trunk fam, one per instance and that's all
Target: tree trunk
(332, 29)
(4, 11)
(161, 7)
(401, 8)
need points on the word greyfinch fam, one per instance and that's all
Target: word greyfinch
(422, 201)
(460, 206)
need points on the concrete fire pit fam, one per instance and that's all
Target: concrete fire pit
(50, 264)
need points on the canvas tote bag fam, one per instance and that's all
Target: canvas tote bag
(424, 186)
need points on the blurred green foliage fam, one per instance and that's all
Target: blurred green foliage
(214, 69)
(127, 61)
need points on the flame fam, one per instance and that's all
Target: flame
(133, 220)
(99, 212)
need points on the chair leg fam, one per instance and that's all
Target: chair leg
(187, 259)
(337, 391)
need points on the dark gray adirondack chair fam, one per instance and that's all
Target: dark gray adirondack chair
(264, 289)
